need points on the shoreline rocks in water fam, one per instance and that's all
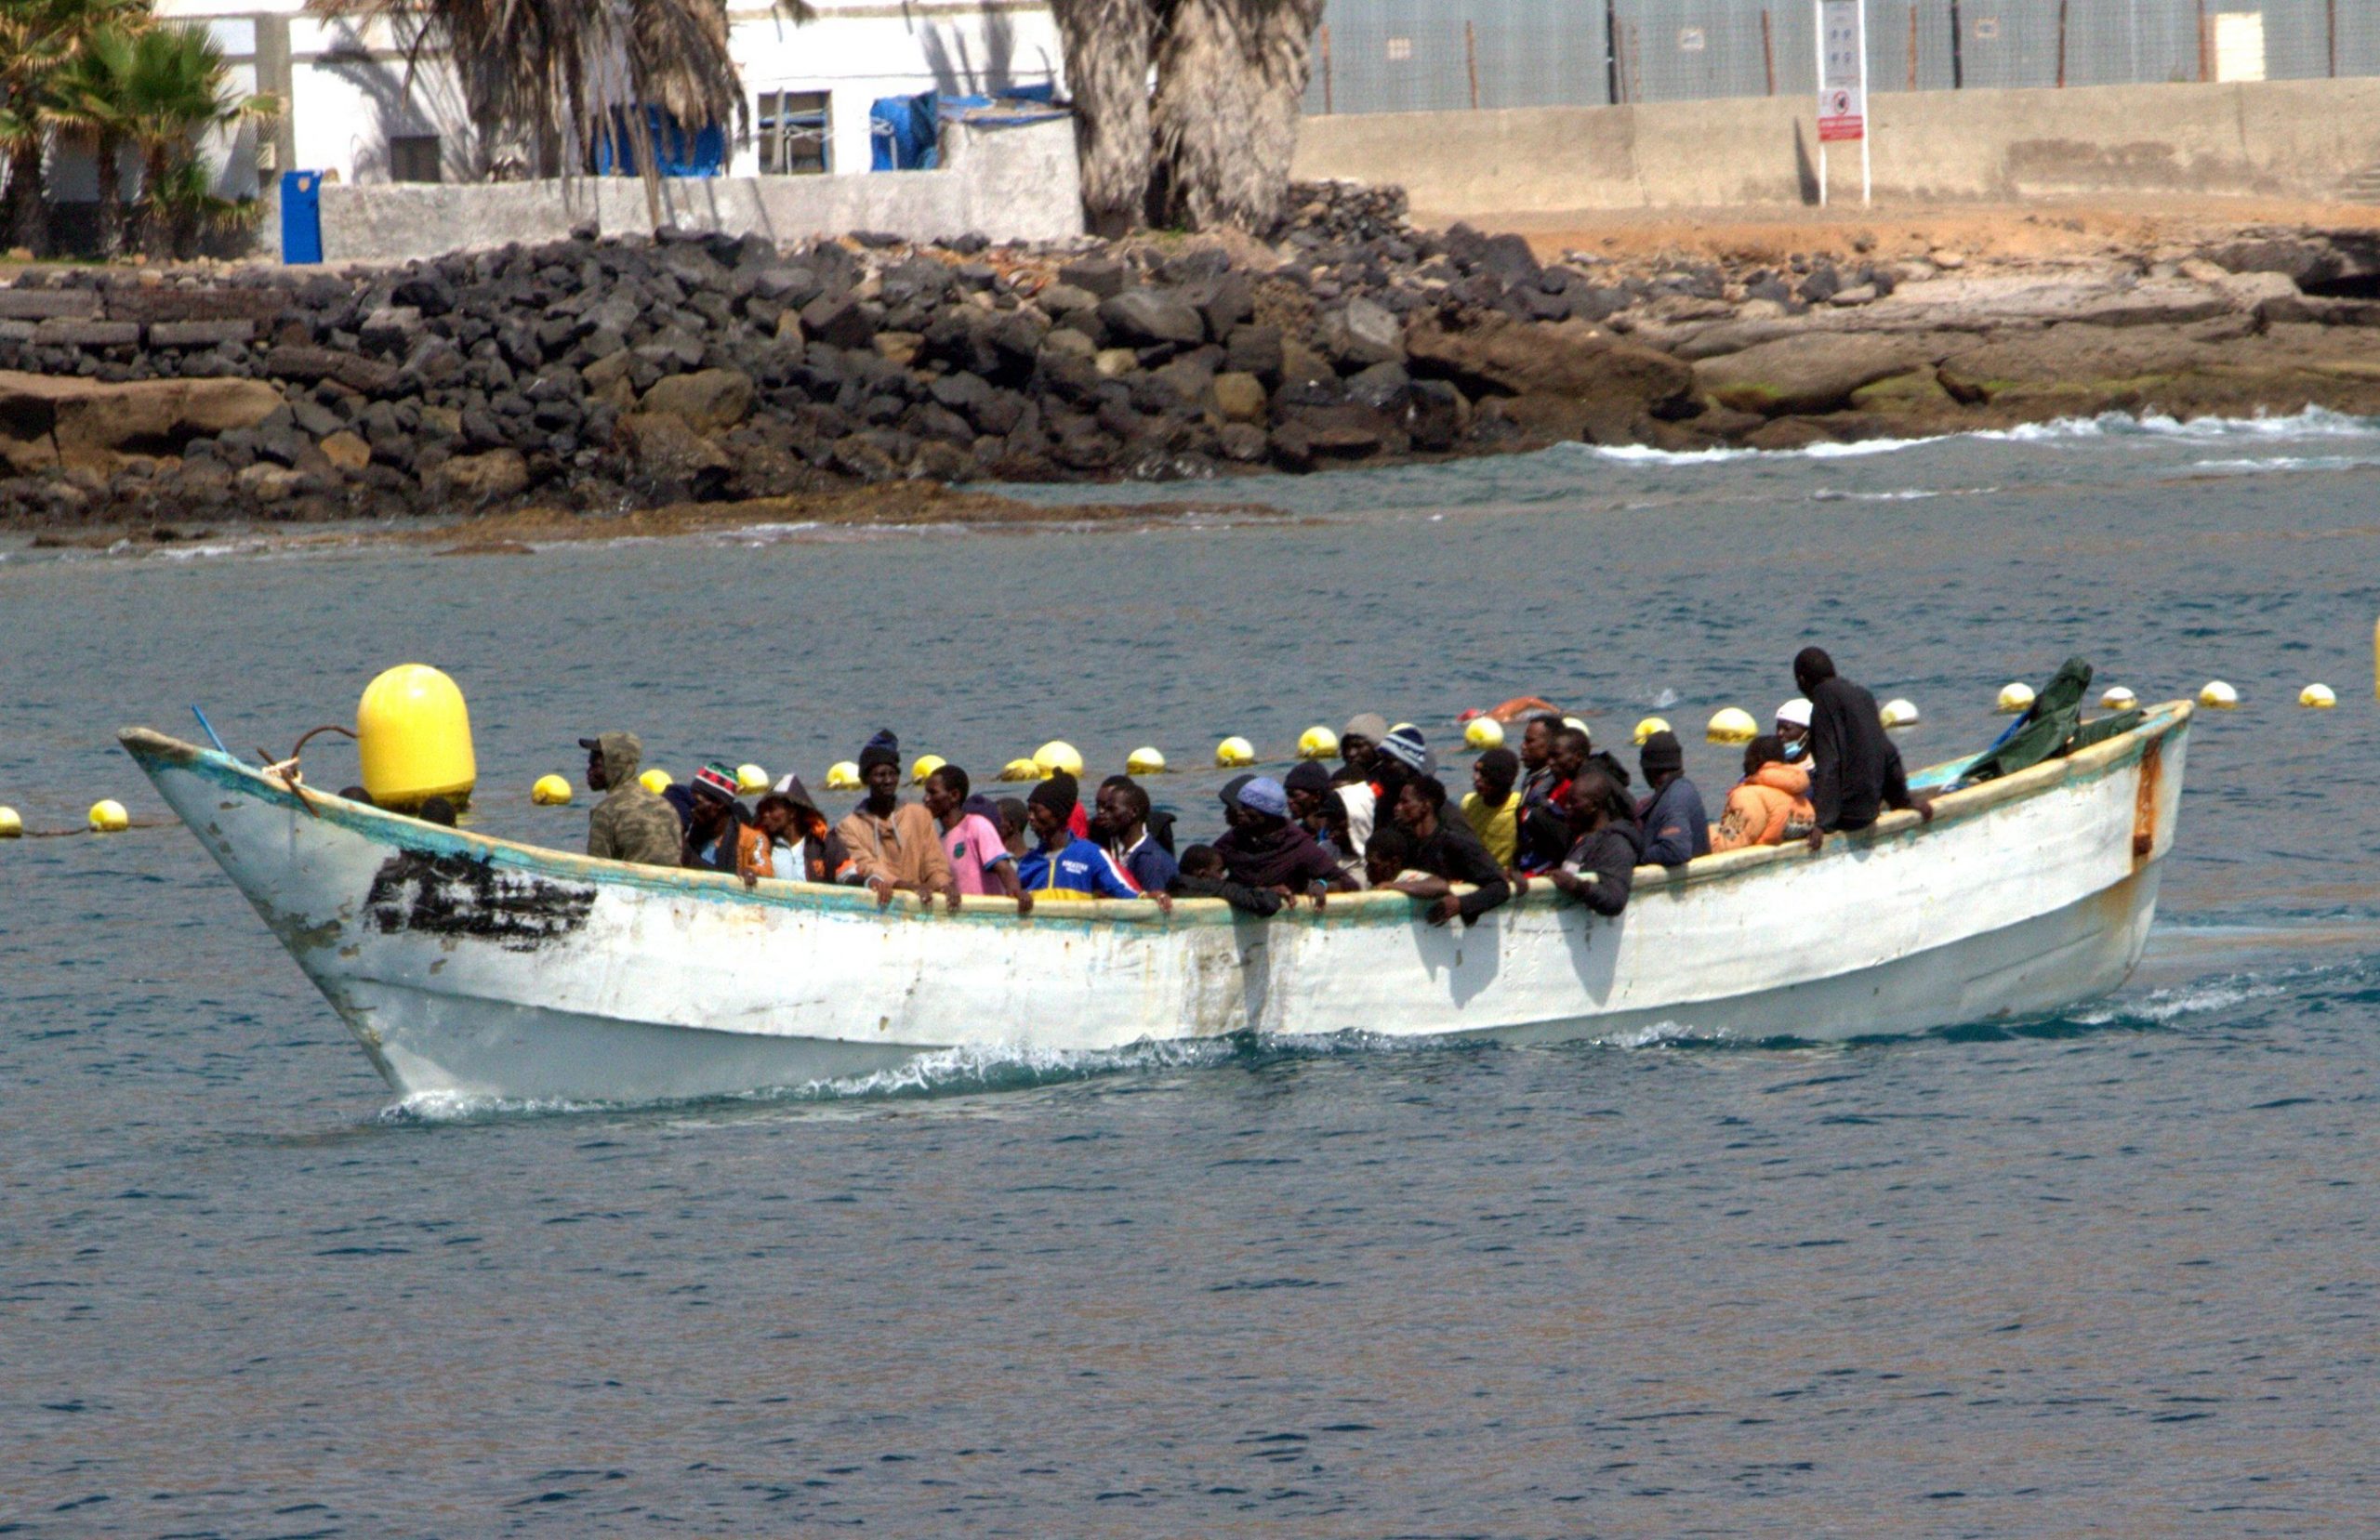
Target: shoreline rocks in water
(594, 374)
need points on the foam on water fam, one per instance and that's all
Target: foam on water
(2313, 423)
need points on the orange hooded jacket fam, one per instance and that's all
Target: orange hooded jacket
(1770, 803)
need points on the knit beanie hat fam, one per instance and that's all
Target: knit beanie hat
(882, 749)
(1662, 752)
(1403, 744)
(1059, 794)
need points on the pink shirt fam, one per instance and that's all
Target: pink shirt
(972, 843)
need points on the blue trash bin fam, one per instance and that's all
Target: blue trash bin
(301, 217)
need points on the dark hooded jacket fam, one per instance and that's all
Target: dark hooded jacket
(1610, 856)
(1855, 771)
(631, 824)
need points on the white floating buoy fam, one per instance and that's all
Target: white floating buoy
(1145, 761)
(552, 791)
(1058, 755)
(843, 776)
(1317, 742)
(108, 817)
(657, 780)
(2318, 697)
(1483, 733)
(1897, 712)
(11, 825)
(2119, 699)
(1016, 770)
(1732, 724)
(926, 764)
(2014, 699)
(2218, 696)
(1231, 752)
(1649, 726)
(1579, 722)
(752, 780)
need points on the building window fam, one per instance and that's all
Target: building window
(414, 158)
(794, 137)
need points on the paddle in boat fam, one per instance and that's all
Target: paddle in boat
(480, 966)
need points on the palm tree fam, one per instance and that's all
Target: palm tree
(556, 75)
(1106, 45)
(38, 39)
(175, 89)
(88, 98)
(1230, 77)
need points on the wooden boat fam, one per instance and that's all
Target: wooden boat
(483, 967)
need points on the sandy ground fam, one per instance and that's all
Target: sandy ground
(2038, 229)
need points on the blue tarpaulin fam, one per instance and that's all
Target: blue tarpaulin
(675, 152)
(901, 132)
(301, 217)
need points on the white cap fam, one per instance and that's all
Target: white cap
(1793, 713)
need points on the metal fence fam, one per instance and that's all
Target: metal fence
(1417, 56)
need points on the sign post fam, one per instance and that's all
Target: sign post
(1842, 87)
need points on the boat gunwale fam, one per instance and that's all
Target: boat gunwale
(399, 830)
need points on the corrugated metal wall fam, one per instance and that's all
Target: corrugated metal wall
(1410, 56)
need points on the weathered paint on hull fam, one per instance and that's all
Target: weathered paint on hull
(479, 966)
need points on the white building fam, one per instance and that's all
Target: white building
(352, 108)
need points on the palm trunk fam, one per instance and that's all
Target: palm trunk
(110, 222)
(1230, 75)
(148, 224)
(28, 213)
(1106, 45)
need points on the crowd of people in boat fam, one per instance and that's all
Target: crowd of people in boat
(1559, 811)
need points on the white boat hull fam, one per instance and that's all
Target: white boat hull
(480, 967)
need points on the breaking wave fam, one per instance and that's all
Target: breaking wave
(2315, 422)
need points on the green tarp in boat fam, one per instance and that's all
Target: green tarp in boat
(2053, 727)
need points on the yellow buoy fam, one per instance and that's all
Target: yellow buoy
(1058, 755)
(843, 776)
(2318, 697)
(752, 780)
(927, 764)
(1145, 761)
(1732, 724)
(2119, 699)
(413, 737)
(1019, 769)
(1483, 733)
(2218, 696)
(1897, 712)
(655, 781)
(1317, 742)
(552, 791)
(108, 817)
(2015, 698)
(1233, 753)
(1579, 722)
(1649, 726)
(11, 827)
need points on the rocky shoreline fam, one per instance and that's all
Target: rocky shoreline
(592, 376)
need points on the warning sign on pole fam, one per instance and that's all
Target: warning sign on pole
(1843, 72)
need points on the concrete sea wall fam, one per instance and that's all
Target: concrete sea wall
(2296, 138)
(1014, 183)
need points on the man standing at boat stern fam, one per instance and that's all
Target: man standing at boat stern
(630, 823)
(1855, 771)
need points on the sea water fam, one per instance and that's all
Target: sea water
(2111, 1271)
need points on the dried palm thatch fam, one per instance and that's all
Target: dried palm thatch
(547, 77)
(1224, 117)
(1106, 45)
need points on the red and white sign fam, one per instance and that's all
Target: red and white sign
(1843, 72)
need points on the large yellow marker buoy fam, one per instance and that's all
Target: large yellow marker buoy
(552, 791)
(413, 736)
(1649, 726)
(2218, 696)
(1021, 769)
(1058, 755)
(11, 825)
(843, 776)
(1483, 734)
(1899, 712)
(752, 780)
(655, 781)
(1231, 752)
(1145, 761)
(1317, 742)
(1732, 724)
(2014, 699)
(108, 817)
(926, 764)
(2119, 699)
(2318, 697)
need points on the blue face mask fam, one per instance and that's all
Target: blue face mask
(1796, 749)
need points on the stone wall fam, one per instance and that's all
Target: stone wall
(2303, 138)
(1016, 183)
